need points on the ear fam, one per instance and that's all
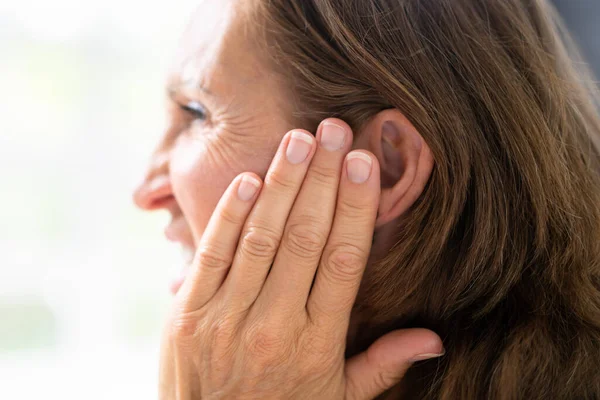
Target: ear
(405, 161)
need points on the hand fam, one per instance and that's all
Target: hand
(264, 312)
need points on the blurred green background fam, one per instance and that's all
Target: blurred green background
(84, 275)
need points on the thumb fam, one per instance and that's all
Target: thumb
(385, 362)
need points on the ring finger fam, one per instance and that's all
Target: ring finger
(263, 229)
(308, 226)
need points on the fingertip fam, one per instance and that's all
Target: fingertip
(358, 167)
(428, 344)
(334, 134)
(414, 344)
(361, 178)
(248, 186)
(335, 121)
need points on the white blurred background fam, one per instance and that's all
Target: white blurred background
(83, 274)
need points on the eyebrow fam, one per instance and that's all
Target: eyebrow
(175, 86)
(198, 85)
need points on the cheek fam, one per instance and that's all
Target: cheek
(199, 179)
(201, 169)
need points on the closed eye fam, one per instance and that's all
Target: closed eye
(192, 108)
(195, 109)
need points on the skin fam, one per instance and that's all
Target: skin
(247, 321)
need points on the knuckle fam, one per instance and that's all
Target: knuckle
(222, 338)
(267, 347)
(354, 208)
(345, 263)
(385, 379)
(304, 240)
(222, 332)
(323, 175)
(259, 243)
(184, 330)
(280, 181)
(266, 344)
(231, 216)
(210, 258)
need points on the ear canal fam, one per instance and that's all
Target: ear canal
(392, 158)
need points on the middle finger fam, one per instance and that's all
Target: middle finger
(288, 284)
(263, 229)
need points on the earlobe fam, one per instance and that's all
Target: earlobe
(406, 162)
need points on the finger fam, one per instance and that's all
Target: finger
(310, 220)
(345, 255)
(385, 362)
(215, 251)
(262, 232)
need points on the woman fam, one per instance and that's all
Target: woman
(471, 194)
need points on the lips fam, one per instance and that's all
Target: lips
(156, 192)
(178, 231)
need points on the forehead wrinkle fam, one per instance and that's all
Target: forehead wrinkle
(217, 63)
(201, 41)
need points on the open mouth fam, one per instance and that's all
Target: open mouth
(178, 232)
(187, 257)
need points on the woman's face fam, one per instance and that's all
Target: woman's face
(226, 115)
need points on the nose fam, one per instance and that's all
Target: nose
(155, 191)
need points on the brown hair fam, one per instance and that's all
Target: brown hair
(501, 254)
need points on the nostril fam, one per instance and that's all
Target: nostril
(153, 193)
(160, 185)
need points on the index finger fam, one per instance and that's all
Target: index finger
(347, 250)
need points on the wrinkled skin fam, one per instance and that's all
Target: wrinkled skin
(247, 320)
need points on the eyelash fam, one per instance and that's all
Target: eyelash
(194, 109)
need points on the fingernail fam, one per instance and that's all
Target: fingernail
(359, 166)
(427, 356)
(248, 187)
(298, 147)
(332, 136)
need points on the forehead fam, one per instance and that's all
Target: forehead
(217, 50)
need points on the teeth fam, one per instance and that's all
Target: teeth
(187, 254)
